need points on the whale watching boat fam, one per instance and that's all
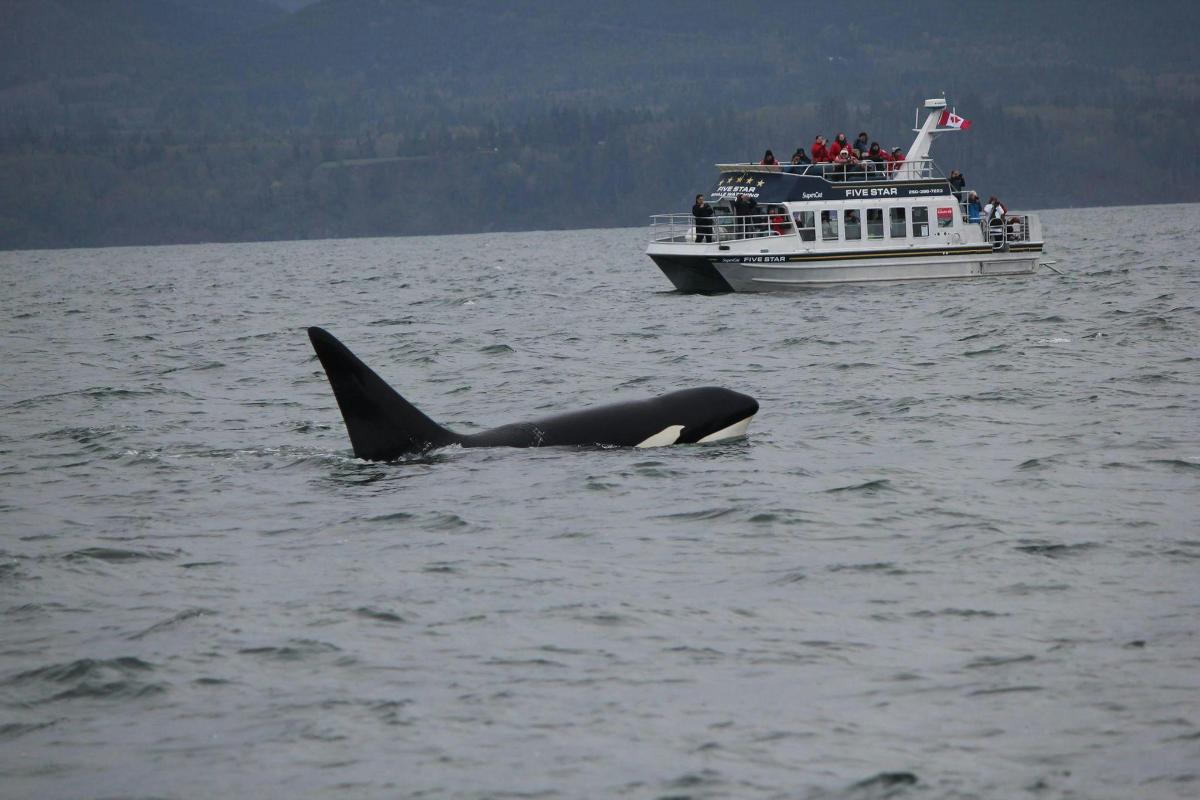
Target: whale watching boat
(823, 224)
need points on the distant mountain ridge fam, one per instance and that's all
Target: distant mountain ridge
(176, 120)
(41, 39)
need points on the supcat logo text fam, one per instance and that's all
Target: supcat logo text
(889, 191)
(812, 195)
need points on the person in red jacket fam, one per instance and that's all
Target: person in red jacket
(820, 154)
(839, 144)
(779, 221)
(897, 159)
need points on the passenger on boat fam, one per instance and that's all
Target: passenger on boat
(841, 167)
(973, 207)
(756, 220)
(779, 221)
(871, 160)
(994, 210)
(958, 185)
(702, 212)
(799, 162)
(745, 208)
(994, 213)
(741, 207)
(860, 144)
(897, 158)
(859, 167)
(820, 153)
(1016, 231)
(768, 159)
(839, 144)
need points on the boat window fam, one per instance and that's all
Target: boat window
(853, 226)
(945, 217)
(874, 223)
(806, 224)
(829, 226)
(898, 225)
(920, 221)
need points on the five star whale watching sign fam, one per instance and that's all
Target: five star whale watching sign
(729, 186)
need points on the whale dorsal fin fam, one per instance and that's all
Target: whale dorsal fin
(382, 424)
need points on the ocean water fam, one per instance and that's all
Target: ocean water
(958, 555)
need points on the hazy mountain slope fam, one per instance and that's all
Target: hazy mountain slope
(638, 52)
(40, 39)
(123, 121)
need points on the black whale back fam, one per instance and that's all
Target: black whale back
(382, 424)
(698, 412)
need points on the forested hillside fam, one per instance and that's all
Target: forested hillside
(148, 121)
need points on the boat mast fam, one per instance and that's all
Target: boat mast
(915, 159)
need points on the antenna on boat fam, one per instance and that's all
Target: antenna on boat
(918, 152)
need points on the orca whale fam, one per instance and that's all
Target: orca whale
(384, 426)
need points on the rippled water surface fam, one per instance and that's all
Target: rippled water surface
(957, 557)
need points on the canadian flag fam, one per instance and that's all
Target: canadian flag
(951, 120)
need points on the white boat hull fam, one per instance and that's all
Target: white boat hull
(693, 272)
(753, 277)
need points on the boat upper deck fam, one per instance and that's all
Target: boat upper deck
(782, 183)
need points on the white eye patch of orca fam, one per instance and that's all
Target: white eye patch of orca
(732, 432)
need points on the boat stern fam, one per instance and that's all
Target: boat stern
(691, 274)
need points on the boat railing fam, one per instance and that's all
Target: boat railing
(682, 228)
(1012, 229)
(865, 171)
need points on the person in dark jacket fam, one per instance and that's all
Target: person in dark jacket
(746, 208)
(702, 212)
(958, 185)
(860, 144)
(799, 162)
(741, 210)
(875, 160)
(757, 221)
